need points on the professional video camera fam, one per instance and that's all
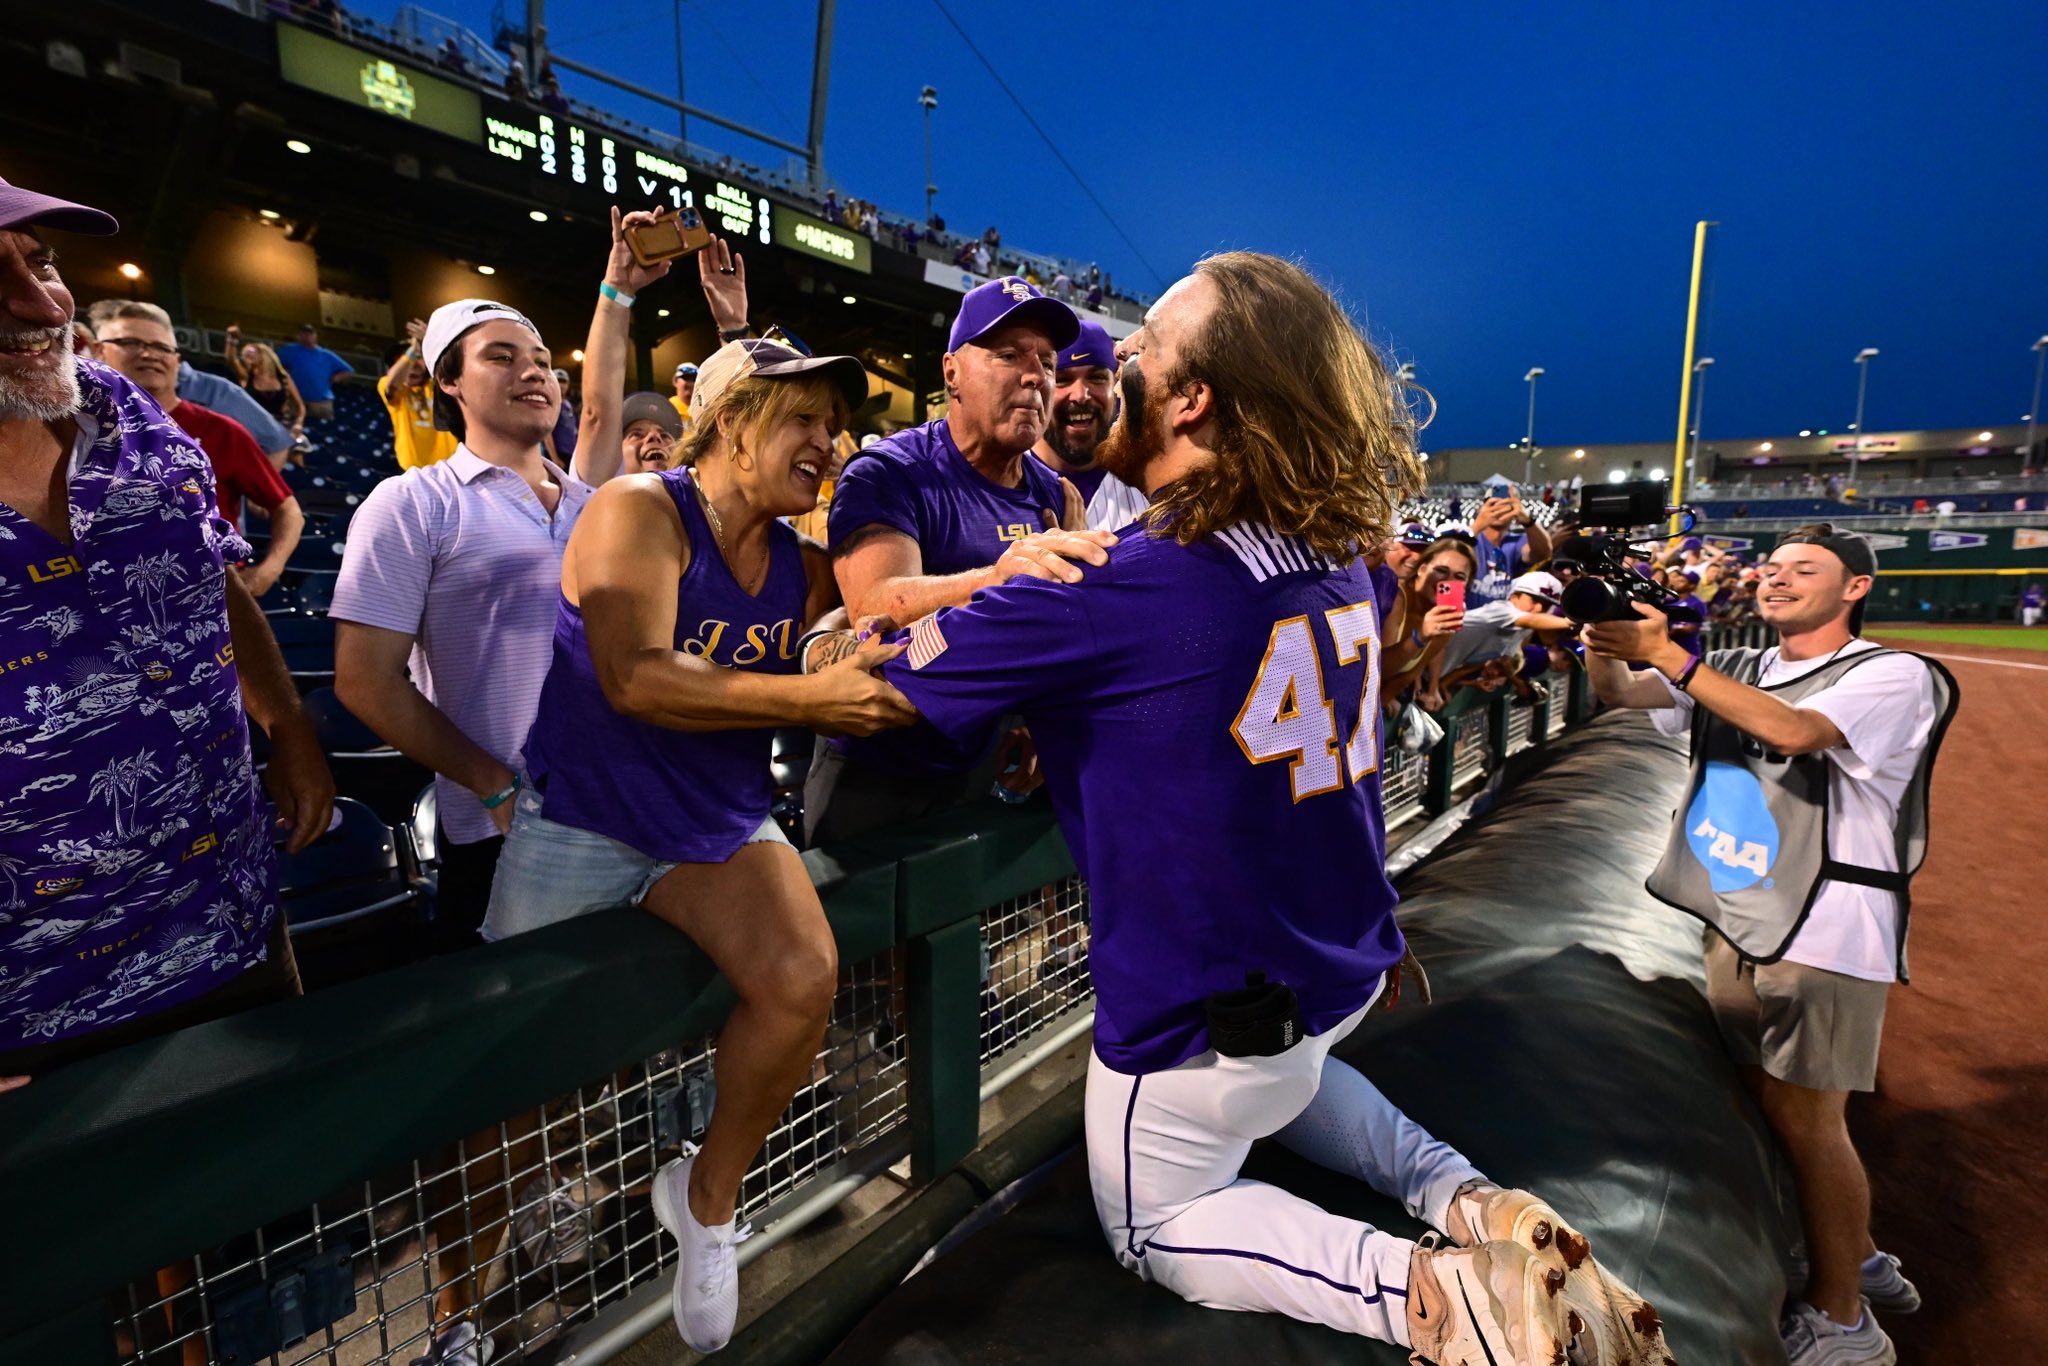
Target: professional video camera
(1604, 587)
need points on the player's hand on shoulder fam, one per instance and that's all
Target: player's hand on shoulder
(851, 698)
(1054, 554)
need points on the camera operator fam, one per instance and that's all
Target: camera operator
(1805, 817)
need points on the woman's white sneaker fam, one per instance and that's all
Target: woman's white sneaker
(1887, 1288)
(1814, 1339)
(706, 1296)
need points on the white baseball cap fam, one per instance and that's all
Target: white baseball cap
(450, 321)
(1538, 584)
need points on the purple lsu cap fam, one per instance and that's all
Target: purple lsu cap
(21, 208)
(1093, 347)
(1011, 299)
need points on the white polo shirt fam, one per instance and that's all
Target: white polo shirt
(462, 556)
(1885, 711)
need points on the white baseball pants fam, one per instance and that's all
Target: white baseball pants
(1164, 1151)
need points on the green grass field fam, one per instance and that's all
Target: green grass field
(2003, 637)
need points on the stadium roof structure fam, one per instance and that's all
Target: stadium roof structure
(268, 171)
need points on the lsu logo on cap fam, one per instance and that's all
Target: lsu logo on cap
(1020, 290)
(1730, 829)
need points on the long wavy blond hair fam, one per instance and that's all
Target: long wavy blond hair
(1315, 437)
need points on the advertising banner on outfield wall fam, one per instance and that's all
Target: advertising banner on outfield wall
(1956, 540)
(2029, 538)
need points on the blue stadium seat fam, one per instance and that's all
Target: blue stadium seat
(365, 768)
(347, 900)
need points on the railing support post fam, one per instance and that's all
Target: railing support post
(945, 1048)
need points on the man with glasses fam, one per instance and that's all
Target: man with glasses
(137, 340)
(1805, 817)
(930, 516)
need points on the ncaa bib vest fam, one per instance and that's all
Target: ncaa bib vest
(1749, 850)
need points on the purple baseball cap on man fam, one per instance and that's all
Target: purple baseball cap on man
(1093, 347)
(21, 208)
(1007, 300)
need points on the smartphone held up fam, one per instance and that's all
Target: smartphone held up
(667, 235)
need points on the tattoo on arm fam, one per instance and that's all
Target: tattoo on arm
(829, 650)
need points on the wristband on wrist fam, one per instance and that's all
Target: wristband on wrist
(1684, 680)
(733, 334)
(607, 290)
(503, 794)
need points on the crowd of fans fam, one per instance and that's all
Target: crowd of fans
(586, 621)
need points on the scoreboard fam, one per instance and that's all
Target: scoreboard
(610, 170)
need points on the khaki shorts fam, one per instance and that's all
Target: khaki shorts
(1802, 1025)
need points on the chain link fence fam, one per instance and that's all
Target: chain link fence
(524, 1229)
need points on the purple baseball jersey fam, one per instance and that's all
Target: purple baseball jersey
(918, 483)
(683, 796)
(1206, 718)
(1087, 481)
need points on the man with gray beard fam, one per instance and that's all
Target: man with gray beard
(140, 878)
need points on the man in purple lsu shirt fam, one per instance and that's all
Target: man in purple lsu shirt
(1204, 706)
(925, 518)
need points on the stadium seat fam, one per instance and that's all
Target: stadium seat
(347, 900)
(312, 593)
(365, 768)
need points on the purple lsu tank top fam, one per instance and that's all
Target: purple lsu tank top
(686, 797)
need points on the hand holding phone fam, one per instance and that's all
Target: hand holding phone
(667, 236)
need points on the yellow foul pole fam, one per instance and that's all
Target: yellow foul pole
(1692, 323)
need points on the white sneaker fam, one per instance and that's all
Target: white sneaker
(706, 1295)
(1491, 1305)
(458, 1345)
(1887, 1288)
(1814, 1339)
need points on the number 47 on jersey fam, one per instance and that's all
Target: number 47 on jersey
(1289, 715)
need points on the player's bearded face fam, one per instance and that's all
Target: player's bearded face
(1139, 436)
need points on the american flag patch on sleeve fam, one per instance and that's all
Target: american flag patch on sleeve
(927, 642)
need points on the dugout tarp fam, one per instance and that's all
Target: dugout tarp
(1569, 1050)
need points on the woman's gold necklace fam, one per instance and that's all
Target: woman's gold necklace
(718, 530)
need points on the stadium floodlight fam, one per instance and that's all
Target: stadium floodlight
(1699, 403)
(2040, 358)
(848, 299)
(1862, 362)
(487, 270)
(1617, 476)
(295, 145)
(1529, 435)
(928, 99)
(130, 271)
(537, 215)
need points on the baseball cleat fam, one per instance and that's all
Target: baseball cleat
(1611, 1325)
(1491, 1305)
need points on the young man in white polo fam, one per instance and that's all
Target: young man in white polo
(1805, 817)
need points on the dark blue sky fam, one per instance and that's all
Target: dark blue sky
(1490, 186)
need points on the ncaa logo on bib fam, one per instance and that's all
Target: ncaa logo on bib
(1730, 830)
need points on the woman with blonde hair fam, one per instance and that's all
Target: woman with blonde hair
(679, 646)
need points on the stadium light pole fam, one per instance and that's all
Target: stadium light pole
(682, 118)
(1529, 437)
(1699, 407)
(929, 98)
(1863, 359)
(2034, 413)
